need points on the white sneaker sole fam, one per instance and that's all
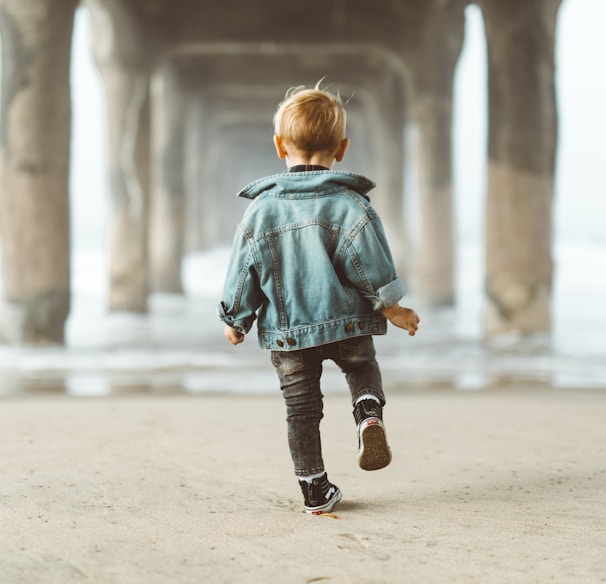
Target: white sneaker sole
(327, 507)
(374, 452)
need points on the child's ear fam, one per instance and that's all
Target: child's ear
(280, 150)
(340, 153)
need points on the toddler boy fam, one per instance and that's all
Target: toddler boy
(310, 262)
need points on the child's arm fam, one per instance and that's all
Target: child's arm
(404, 318)
(242, 295)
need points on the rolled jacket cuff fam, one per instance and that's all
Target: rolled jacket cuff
(241, 325)
(389, 294)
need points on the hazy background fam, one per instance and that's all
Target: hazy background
(581, 94)
(180, 342)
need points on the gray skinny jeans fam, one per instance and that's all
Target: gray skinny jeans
(299, 373)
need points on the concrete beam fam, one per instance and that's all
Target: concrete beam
(34, 153)
(167, 212)
(521, 162)
(119, 49)
(430, 127)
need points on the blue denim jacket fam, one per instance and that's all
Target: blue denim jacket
(310, 260)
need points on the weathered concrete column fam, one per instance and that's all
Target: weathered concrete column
(387, 130)
(435, 258)
(167, 219)
(34, 142)
(117, 48)
(193, 177)
(209, 139)
(432, 67)
(522, 145)
(128, 158)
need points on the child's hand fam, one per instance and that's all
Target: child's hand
(233, 336)
(404, 318)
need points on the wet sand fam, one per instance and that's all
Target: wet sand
(503, 486)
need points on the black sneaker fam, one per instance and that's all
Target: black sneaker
(373, 451)
(320, 495)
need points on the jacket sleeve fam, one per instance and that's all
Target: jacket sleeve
(370, 268)
(242, 294)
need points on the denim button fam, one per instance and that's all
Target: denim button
(279, 343)
(349, 327)
(291, 342)
(362, 326)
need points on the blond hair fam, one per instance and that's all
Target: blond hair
(312, 120)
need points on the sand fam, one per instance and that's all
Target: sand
(496, 486)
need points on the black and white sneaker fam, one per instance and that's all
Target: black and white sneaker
(373, 450)
(320, 495)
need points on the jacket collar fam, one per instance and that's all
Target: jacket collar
(291, 183)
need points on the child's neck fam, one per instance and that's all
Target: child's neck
(313, 160)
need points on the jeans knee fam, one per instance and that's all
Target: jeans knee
(304, 407)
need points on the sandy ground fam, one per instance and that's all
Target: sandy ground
(504, 486)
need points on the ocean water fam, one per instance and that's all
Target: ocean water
(179, 346)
